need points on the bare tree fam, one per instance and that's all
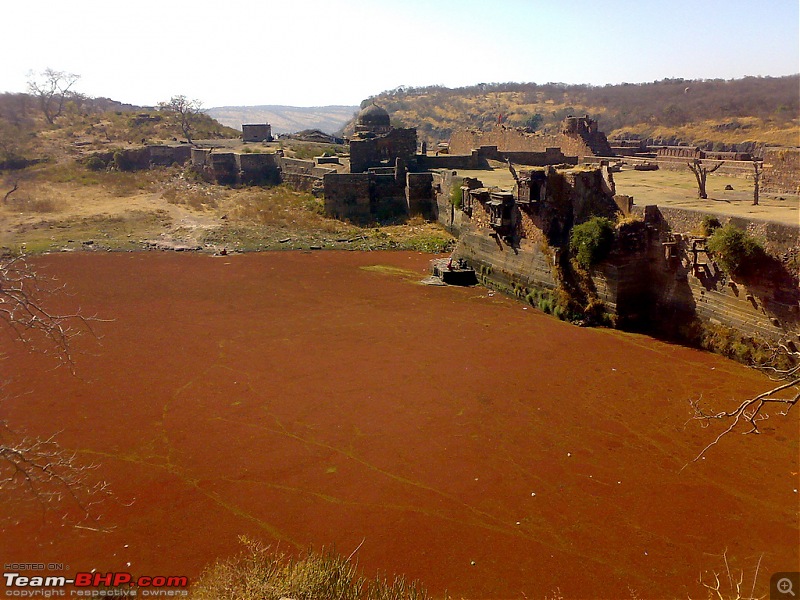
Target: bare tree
(186, 112)
(52, 88)
(757, 167)
(41, 468)
(751, 411)
(701, 172)
(14, 188)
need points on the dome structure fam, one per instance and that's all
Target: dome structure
(373, 119)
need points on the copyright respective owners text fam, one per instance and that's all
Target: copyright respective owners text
(58, 580)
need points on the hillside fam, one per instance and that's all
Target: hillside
(716, 113)
(285, 119)
(87, 125)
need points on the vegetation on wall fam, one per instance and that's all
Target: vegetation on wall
(590, 242)
(735, 250)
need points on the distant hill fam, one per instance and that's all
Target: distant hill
(286, 119)
(715, 112)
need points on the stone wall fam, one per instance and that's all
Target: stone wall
(765, 305)
(511, 139)
(347, 196)
(258, 168)
(148, 156)
(653, 277)
(166, 156)
(419, 194)
(450, 161)
(781, 170)
(742, 169)
(369, 197)
(230, 168)
(257, 132)
(779, 239)
(581, 143)
(379, 150)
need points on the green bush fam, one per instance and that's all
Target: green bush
(709, 225)
(95, 163)
(735, 250)
(591, 241)
(455, 193)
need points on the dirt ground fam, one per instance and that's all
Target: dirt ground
(457, 436)
(165, 209)
(679, 189)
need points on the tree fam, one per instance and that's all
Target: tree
(756, 181)
(41, 467)
(186, 112)
(52, 88)
(534, 122)
(701, 172)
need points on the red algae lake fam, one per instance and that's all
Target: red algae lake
(328, 399)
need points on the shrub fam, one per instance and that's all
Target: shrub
(95, 163)
(709, 225)
(735, 250)
(591, 241)
(260, 574)
(455, 193)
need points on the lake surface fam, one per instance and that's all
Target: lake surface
(328, 399)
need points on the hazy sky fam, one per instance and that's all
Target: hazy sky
(311, 53)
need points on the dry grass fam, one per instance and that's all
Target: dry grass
(32, 204)
(283, 207)
(259, 573)
(196, 197)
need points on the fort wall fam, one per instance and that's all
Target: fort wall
(659, 273)
(512, 139)
(781, 170)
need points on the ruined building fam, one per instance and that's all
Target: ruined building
(379, 185)
(377, 144)
(579, 136)
(260, 132)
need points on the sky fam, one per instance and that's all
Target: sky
(324, 52)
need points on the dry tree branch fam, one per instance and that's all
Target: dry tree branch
(41, 467)
(716, 589)
(11, 191)
(23, 310)
(751, 410)
(49, 474)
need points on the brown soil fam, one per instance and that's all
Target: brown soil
(326, 398)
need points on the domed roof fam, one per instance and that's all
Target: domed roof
(373, 117)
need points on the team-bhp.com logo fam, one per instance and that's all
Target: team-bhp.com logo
(95, 585)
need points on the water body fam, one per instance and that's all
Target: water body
(325, 399)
